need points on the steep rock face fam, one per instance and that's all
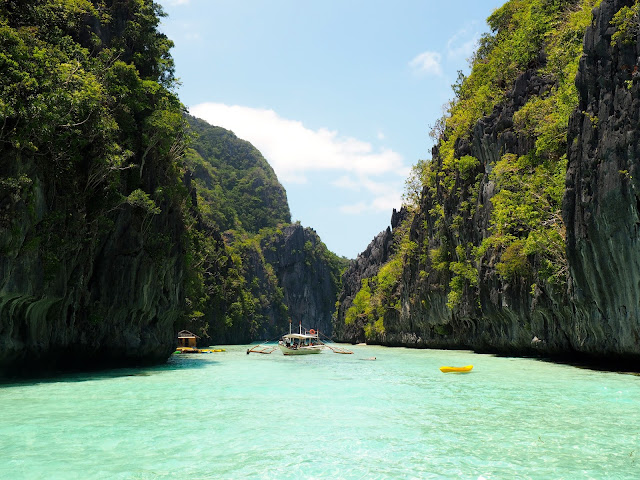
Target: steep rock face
(266, 317)
(596, 316)
(602, 201)
(91, 231)
(366, 265)
(309, 282)
(108, 299)
(287, 273)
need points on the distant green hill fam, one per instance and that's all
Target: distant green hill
(237, 188)
(250, 267)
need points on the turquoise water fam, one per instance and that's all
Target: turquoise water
(328, 416)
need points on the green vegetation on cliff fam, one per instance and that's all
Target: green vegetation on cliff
(526, 230)
(91, 192)
(233, 294)
(491, 211)
(241, 238)
(238, 189)
(379, 296)
(85, 113)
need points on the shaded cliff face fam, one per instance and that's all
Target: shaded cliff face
(472, 280)
(109, 299)
(602, 201)
(308, 274)
(287, 273)
(91, 230)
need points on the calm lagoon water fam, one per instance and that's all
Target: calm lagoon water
(236, 416)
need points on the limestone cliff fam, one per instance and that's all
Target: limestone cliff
(473, 273)
(263, 270)
(284, 273)
(365, 266)
(91, 228)
(308, 274)
(602, 201)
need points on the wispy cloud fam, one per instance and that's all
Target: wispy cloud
(177, 2)
(294, 150)
(427, 63)
(460, 45)
(383, 203)
(463, 43)
(382, 196)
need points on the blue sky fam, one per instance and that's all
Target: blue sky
(338, 95)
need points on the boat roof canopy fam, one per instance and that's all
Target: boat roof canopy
(299, 335)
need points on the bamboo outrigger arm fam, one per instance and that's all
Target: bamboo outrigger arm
(261, 349)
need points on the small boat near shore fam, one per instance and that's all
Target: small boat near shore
(465, 369)
(301, 343)
(187, 343)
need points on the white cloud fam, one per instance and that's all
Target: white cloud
(386, 203)
(427, 62)
(381, 204)
(293, 150)
(347, 183)
(463, 43)
(193, 36)
(383, 196)
(355, 209)
(177, 2)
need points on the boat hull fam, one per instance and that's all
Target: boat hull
(302, 350)
(464, 369)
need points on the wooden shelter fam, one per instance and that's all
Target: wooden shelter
(187, 339)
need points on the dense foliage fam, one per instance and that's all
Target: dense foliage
(526, 231)
(520, 235)
(88, 116)
(238, 189)
(238, 232)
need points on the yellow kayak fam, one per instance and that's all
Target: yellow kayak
(456, 369)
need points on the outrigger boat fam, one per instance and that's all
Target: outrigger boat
(299, 344)
(262, 349)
